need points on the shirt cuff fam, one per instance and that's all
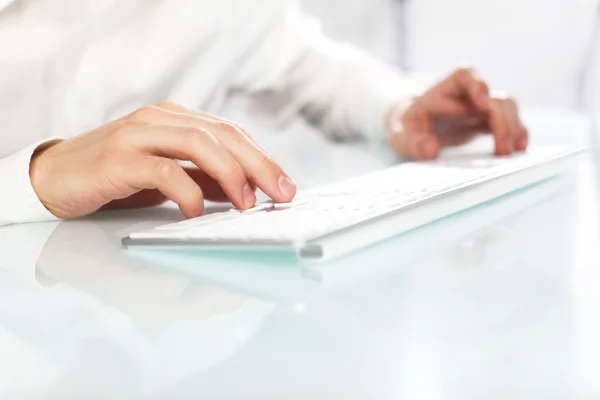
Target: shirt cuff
(19, 202)
(392, 94)
(398, 92)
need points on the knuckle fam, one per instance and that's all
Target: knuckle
(239, 127)
(166, 169)
(498, 105)
(484, 85)
(463, 72)
(118, 134)
(197, 137)
(497, 109)
(144, 113)
(121, 126)
(166, 104)
(228, 131)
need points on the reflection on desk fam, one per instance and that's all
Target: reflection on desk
(284, 280)
(138, 328)
(500, 299)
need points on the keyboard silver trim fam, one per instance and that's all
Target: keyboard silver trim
(187, 242)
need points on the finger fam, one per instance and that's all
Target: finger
(523, 141)
(462, 132)
(442, 106)
(176, 108)
(501, 129)
(511, 121)
(215, 120)
(519, 132)
(200, 147)
(211, 188)
(465, 83)
(415, 145)
(256, 164)
(412, 139)
(149, 172)
(512, 117)
(479, 94)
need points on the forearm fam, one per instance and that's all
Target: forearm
(297, 70)
(353, 92)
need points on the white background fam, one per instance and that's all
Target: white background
(533, 49)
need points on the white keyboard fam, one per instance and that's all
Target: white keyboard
(329, 221)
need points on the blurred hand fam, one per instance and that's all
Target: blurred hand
(131, 163)
(452, 113)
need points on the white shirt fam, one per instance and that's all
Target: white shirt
(68, 66)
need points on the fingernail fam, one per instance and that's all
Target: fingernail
(427, 148)
(203, 212)
(522, 144)
(484, 97)
(287, 187)
(509, 146)
(249, 197)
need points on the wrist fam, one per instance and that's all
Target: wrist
(394, 117)
(38, 168)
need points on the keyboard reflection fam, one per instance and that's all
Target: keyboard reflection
(282, 279)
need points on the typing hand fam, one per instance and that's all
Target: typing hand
(131, 163)
(452, 113)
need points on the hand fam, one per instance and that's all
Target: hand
(452, 113)
(131, 163)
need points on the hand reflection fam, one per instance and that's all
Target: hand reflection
(473, 252)
(82, 255)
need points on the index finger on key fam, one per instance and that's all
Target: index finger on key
(501, 130)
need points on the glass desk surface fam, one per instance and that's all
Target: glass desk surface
(501, 301)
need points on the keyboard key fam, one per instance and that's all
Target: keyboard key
(258, 207)
(293, 204)
(206, 219)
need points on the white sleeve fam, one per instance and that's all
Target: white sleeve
(293, 68)
(18, 202)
